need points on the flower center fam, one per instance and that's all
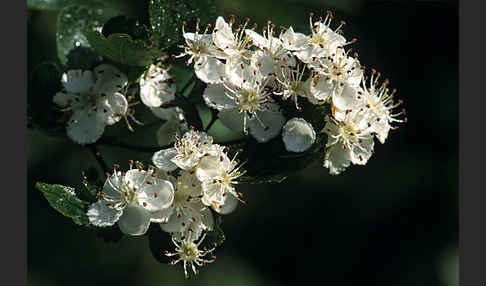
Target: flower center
(188, 251)
(181, 196)
(249, 100)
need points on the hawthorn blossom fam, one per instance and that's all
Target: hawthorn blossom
(219, 175)
(379, 103)
(349, 141)
(246, 106)
(203, 52)
(292, 86)
(130, 200)
(235, 45)
(272, 55)
(187, 251)
(298, 135)
(323, 42)
(155, 88)
(94, 100)
(186, 152)
(186, 215)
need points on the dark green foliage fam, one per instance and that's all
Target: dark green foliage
(167, 16)
(64, 200)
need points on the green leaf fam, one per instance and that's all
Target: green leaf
(166, 17)
(123, 49)
(64, 200)
(130, 26)
(73, 20)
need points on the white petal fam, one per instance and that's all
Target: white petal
(77, 81)
(154, 93)
(161, 215)
(258, 40)
(135, 220)
(230, 204)
(175, 221)
(85, 127)
(112, 188)
(232, 119)
(213, 194)
(215, 97)
(186, 162)
(265, 62)
(210, 166)
(347, 99)
(157, 195)
(223, 35)
(272, 120)
(163, 159)
(63, 99)
(337, 159)
(362, 153)
(100, 214)
(113, 106)
(108, 79)
(298, 135)
(294, 41)
(209, 69)
(320, 88)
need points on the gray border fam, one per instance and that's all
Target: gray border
(472, 203)
(14, 123)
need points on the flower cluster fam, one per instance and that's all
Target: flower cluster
(188, 181)
(248, 74)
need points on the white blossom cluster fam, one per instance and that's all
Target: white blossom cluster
(188, 180)
(248, 74)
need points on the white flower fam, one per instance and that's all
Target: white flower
(273, 55)
(379, 103)
(94, 101)
(246, 106)
(186, 152)
(292, 86)
(130, 199)
(293, 41)
(323, 42)
(349, 141)
(334, 73)
(201, 50)
(175, 124)
(298, 135)
(219, 175)
(187, 215)
(235, 45)
(187, 251)
(155, 89)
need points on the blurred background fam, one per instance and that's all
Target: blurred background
(391, 222)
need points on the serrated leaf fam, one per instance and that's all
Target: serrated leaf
(122, 49)
(64, 200)
(129, 26)
(73, 20)
(166, 17)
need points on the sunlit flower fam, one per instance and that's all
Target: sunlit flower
(186, 152)
(349, 141)
(204, 54)
(94, 100)
(155, 88)
(130, 200)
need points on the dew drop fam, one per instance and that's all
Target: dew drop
(99, 11)
(68, 16)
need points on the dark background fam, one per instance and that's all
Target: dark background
(391, 222)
